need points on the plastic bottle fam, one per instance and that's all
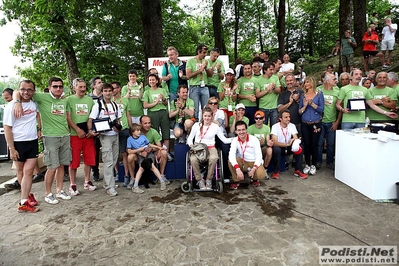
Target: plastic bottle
(367, 124)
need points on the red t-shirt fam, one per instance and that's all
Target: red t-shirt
(367, 45)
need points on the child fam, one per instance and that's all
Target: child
(140, 145)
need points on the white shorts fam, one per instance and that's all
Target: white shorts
(387, 44)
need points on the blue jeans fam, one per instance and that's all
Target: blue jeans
(270, 116)
(280, 151)
(350, 125)
(213, 92)
(328, 135)
(173, 96)
(200, 96)
(250, 113)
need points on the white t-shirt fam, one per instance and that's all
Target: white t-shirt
(287, 67)
(208, 135)
(250, 150)
(388, 35)
(284, 134)
(24, 128)
(113, 113)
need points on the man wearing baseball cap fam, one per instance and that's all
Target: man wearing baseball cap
(237, 116)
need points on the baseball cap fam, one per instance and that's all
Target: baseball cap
(240, 105)
(259, 113)
(229, 70)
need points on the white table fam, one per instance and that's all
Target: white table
(366, 165)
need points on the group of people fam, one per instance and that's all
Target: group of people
(256, 119)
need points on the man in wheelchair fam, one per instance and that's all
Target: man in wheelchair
(245, 156)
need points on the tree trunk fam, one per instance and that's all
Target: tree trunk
(237, 4)
(258, 11)
(345, 20)
(217, 26)
(360, 26)
(281, 28)
(151, 17)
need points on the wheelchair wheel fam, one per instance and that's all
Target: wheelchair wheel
(220, 166)
(186, 187)
(220, 184)
(188, 166)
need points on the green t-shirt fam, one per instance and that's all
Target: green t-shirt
(215, 80)
(135, 104)
(151, 95)
(245, 119)
(80, 109)
(53, 114)
(330, 99)
(189, 105)
(260, 133)
(396, 89)
(354, 92)
(247, 86)
(123, 105)
(379, 94)
(153, 136)
(164, 86)
(269, 100)
(174, 71)
(193, 64)
(347, 48)
(227, 99)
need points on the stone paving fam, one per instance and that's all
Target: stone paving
(283, 222)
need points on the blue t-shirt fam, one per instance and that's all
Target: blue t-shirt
(138, 143)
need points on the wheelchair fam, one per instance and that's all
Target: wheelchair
(190, 185)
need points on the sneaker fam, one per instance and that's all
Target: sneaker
(73, 190)
(312, 170)
(112, 192)
(165, 180)
(126, 181)
(13, 186)
(38, 178)
(89, 185)
(385, 66)
(50, 199)
(163, 186)
(131, 183)
(234, 186)
(208, 183)
(306, 169)
(63, 195)
(256, 183)
(170, 157)
(267, 176)
(96, 177)
(276, 175)
(116, 177)
(26, 207)
(137, 190)
(300, 174)
(201, 184)
(31, 200)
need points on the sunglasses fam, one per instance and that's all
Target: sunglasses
(259, 118)
(213, 103)
(57, 86)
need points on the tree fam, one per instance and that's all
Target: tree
(359, 25)
(151, 16)
(280, 18)
(217, 26)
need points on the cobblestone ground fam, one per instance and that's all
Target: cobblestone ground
(283, 222)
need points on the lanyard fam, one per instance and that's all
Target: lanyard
(203, 135)
(285, 134)
(243, 149)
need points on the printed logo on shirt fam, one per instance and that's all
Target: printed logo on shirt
(328, 99)
(82, 109)
(379, 97)
(28, 112)
(249, 86)
(154, 97)
(259, 136)
(57, 109)
(357, 94)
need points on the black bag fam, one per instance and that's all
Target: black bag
(146, 164)
(83, 126)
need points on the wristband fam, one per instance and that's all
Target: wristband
(385, 112)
